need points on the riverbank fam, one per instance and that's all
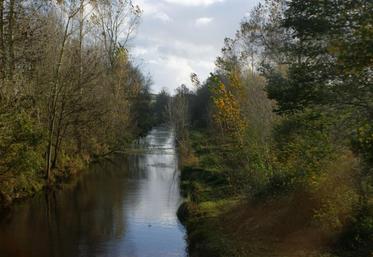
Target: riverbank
(221, 223)
(22, 186)
(17, 186)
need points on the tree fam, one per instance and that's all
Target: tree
(180, 115)
(325, 66)
(66, 68)
(162, 101)
(227, 111)
(118, 21)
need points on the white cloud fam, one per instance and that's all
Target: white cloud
(172, 62)
(163, 47)
(153, 10)
(162, 16)
(139, 51)
(181, 69)
(170, 47)
(203, 21)
(147, 7)
(194, 2)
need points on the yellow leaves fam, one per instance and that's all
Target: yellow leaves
(235, 79)
(227, 111)
(365, 135)
(122, 55)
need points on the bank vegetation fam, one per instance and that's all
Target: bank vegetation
(277, 143)
(69, 90)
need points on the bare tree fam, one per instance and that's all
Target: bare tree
(118, 21)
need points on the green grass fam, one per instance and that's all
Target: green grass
(208, 197)
(221, 223)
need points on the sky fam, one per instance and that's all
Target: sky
(179, 37)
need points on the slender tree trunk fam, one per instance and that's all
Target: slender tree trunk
(58, 134)
(252, 64)
(2, 46)
(81, 39)
(56, 149)
(10, 39)
(54, 97)
(53, 104)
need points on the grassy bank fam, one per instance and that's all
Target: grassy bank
(25, 185)
(224, 222)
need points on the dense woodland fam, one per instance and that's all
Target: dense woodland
(69, 91)
(284, 121)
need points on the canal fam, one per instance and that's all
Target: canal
(121, 208)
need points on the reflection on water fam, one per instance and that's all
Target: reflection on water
(126, 208)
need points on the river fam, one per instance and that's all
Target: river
(123, 208)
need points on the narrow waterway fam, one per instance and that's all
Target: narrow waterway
(124, 208)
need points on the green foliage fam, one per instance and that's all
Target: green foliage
(68, 90)
(325, 65)
(363, 140)
(321, 85)
(297, 91)
(161, 106)
(200, 106)
(21, 142)
(325, 98)
(208, 196)
(358, 235)
(142, 114)
(304, 144)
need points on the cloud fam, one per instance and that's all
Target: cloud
(172, 62)
(163, 48)
(194, 2)
(139, 51)
(203, 21)
(172, 41)
(179, 69)
(162, 16)
(153, 10)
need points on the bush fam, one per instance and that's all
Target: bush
(358, 236)
(21, 150)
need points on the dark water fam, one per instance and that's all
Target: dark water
(125, 208)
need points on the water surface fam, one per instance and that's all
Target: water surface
(124, 208)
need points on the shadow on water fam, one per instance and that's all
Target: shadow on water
(124, 208)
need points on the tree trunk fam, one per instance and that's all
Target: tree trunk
(55, 95)
(81, 38)
(53, 104)
(58, 135)
(2, 47)
(60, 130)
(10, 39)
